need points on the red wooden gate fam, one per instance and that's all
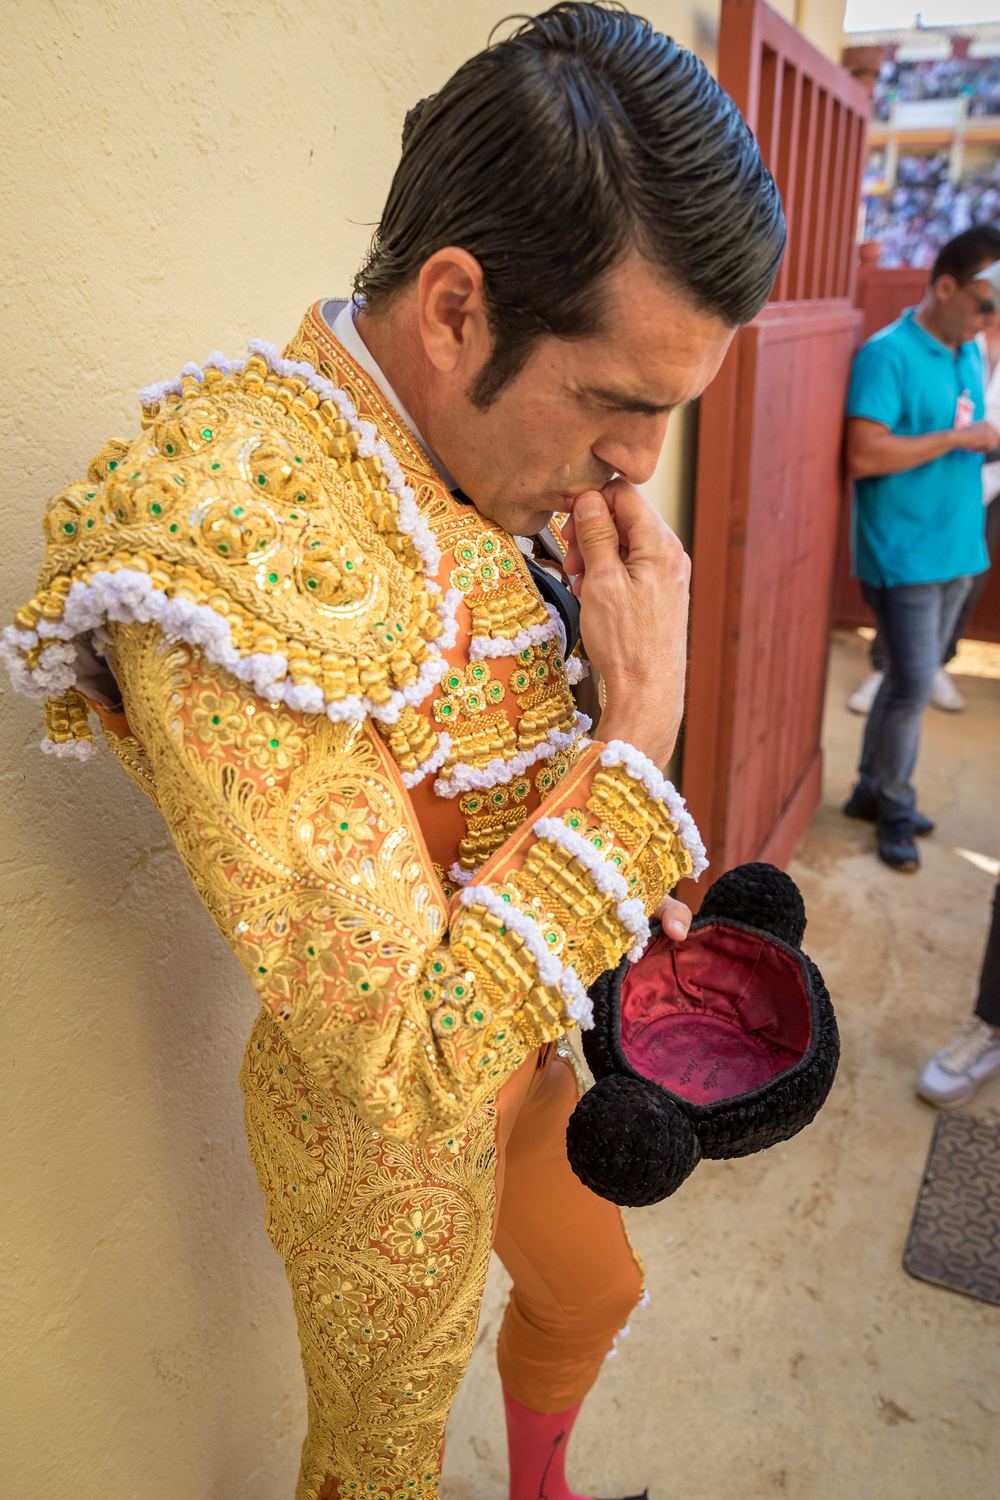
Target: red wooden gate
(769, 469)
(881, 294)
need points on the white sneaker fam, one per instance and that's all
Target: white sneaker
(954, 1073)
(862, 698)
(944, 693)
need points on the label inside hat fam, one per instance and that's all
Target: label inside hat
(702, 1058)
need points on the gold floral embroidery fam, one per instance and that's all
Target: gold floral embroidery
(449, 520)
(273, 743)
(490, 818)
(418, 1233)
(551, 774)
(467, 694)
(345, 827)
(247, 494)
(282, 876)
(217, 718)
(337, 1295)
(269, 966)
(386, 1249)
(483, 561)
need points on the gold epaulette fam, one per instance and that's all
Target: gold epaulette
(256, 518)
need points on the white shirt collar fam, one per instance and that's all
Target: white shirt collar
(340, 317)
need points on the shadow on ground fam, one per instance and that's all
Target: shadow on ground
(785, 1351)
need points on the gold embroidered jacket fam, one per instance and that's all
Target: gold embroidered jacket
(351, 705)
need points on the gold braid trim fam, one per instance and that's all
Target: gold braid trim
(66, 718)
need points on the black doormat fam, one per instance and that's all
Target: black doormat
(954, 1239)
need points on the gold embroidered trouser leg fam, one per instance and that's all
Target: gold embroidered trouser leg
(386, 1251)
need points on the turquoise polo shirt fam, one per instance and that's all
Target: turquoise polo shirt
(924, 525)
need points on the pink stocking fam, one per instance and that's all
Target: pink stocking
(536, 1444)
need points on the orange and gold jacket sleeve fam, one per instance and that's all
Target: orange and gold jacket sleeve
(298, 834)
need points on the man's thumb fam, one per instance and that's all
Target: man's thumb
(596, 533)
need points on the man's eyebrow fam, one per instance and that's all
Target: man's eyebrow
(624, 402)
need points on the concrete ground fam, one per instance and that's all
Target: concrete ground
(785, 1351)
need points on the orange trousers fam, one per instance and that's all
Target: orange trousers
(576, 1278)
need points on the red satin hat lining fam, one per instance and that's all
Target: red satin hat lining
(716, 1015)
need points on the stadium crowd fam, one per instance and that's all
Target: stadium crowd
(943, 78)
(925, 210)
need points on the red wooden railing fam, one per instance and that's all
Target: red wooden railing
(810, 120)
(769, 476)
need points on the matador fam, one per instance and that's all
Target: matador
(330, 607)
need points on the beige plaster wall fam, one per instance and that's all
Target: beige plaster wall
(822, 21)
(174, 179)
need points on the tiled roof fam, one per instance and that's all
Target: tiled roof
(917, 36)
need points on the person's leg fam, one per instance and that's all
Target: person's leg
(861, 700)
(876, 654)
(954, 597)
(911, 619)
(971, 600)
(944, 690)
(576, 1280)
(386, 1250)
(952, 1075)
(988, 1002)
(979, 582)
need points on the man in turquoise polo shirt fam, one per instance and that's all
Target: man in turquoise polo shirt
(915, 440)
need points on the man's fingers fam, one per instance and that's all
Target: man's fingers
(676, 918)
(641, 528)
(573, 561)
(596, 533)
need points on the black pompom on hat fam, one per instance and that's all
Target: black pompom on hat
(718, 1046)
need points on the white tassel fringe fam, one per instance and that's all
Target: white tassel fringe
(498, 772)
(550, 970)
(128, 595)
(641, 768)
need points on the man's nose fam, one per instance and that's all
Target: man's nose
(634, 450)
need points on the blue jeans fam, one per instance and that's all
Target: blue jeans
(979, 582)
(915, 623)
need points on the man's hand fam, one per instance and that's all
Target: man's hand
(632, 577)
(676, 918)
(979, 437)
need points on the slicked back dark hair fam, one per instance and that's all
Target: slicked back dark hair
(967, 253)
(554, 152)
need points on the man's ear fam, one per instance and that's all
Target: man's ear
(945, 287)
(453, 322)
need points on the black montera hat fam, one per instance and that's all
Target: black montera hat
(718, 1046)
